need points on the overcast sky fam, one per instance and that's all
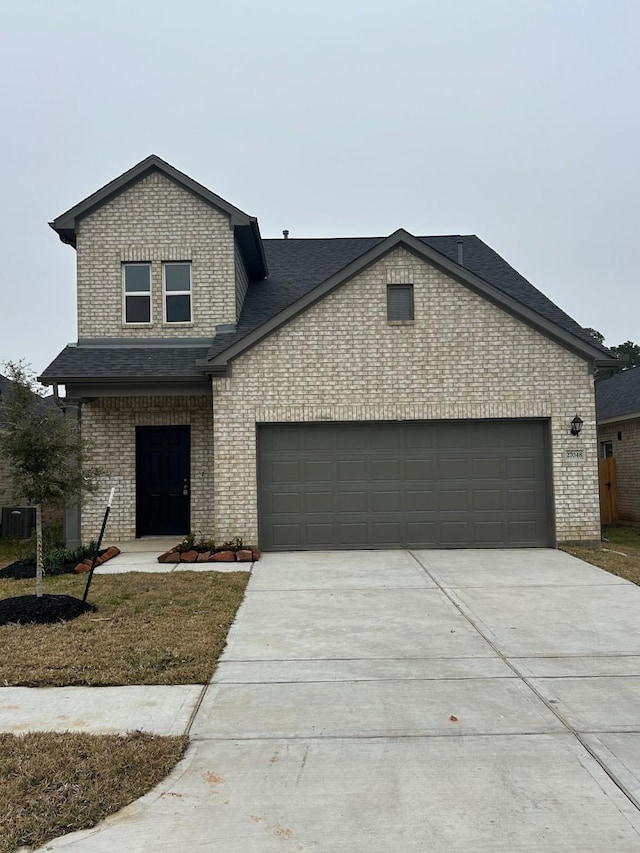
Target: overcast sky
(516, 120)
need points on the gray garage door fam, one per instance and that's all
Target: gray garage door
(404, 484)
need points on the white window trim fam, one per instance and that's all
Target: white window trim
(147, 294)
(188, 293)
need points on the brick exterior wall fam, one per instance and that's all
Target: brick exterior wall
(109, 428)
(6, 491)
(626, 451)
(462, 357)
(155, 220)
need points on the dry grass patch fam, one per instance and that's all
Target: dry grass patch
(52, 784)
(620, 555)
(148, 629)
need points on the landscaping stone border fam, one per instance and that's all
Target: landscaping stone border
(249, 554)
(85, 565)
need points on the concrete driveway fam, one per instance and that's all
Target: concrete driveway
(410, 701)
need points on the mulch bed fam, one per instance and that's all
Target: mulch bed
(24, 569)
(29, 609)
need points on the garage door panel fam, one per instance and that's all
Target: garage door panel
(322, 471)
(489, 533)
(353, 501)
(455, 533)
(317, 440)
(286, 536)
(419, 532)
(286, 503)
(452, 438)
(521, 469)
(422, 439)
(453, 500)
(389, 501)
(383, 533)
(403, 484)
(521, 435)
(419, 501)
(319, 502)
(385, 469)
(381, 438)
(347, 438)
(485, 500)
(319, 535)
(285, 472)
(452, 469)
(289, 440)
(352, 470)
(419, 469)
(484, 436)
(522, 533)
(521, 499)
(353, 535)
(490, 468)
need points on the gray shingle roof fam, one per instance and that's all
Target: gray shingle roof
(78, 363)
(619, 395)
(296, 266)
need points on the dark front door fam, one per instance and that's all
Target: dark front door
(163, 480)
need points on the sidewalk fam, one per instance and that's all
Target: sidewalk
(161, 710)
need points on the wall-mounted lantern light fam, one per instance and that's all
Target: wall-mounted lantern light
(576, 425)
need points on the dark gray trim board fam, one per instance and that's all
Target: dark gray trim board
(402, 238)
(141, 388)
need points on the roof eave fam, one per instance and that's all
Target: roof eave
(612, 419)
(125, 380)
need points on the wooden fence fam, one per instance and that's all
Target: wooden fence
(608, 490)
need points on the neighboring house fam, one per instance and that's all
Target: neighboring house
(618, 416)
(374, 392)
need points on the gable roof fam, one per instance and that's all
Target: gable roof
(246, 227)
(303, 271)
(618, 396)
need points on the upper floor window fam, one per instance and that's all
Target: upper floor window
(177, 292)
(136, 282)
(399, 302)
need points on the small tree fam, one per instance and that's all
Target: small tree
(44, 449)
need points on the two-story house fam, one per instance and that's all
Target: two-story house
(319, 393)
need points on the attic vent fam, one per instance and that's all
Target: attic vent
(399, 302)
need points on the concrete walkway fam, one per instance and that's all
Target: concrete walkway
(410, 701)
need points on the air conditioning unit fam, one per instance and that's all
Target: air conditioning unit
(17, 522)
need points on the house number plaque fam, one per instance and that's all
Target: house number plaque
(575, 455)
